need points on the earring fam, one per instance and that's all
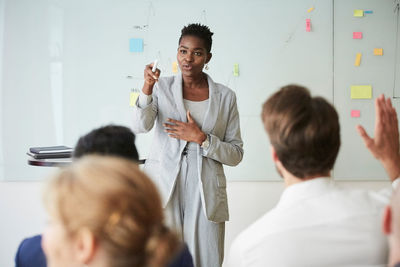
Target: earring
(207, 67)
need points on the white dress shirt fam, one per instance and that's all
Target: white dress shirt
(316, 223)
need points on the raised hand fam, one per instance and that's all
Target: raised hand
(385, 144)
(150, 78)
(188, 131)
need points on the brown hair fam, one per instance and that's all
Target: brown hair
(119, 204)
(304, 131)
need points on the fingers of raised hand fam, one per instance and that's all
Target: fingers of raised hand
(150, 74)
(157, 73)
(369, 142)
(380, 107)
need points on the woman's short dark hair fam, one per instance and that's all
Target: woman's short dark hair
(201, 31)
(304, 131)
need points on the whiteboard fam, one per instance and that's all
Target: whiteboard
(65, 65)
(379, 31)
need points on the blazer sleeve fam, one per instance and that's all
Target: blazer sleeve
(229, 150)
(144, 117)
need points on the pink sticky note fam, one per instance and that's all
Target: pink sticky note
(355, 113)
(357, 35)
(308, 25)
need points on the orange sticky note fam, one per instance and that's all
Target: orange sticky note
(175, 67)
(355, 113)
(357, 35)
(358, 60)
(378, 51)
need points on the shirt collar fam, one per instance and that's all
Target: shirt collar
(305, 190)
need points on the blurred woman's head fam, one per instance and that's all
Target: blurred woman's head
(105, 212)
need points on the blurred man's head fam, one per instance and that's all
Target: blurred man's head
(109, 140)
(304, 132)
(391, 227)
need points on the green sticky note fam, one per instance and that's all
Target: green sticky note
(361, 92)
(236, 69)
(358, 13)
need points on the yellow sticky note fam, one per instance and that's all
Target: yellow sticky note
(236, 69)
(361, 92)
(175, 67)
(358, 13)
(378, 51)
(358, 60)
(133, 97)
(310, 9)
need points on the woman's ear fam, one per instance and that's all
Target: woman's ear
(387, 220)
(85, 246)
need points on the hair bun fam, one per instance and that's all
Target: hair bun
(161, 247)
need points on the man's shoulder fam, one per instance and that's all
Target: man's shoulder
(257, 231)
(362, 198)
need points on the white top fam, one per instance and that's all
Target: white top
(198, 111)
(316, 223)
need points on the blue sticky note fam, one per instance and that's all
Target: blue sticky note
(136, 45)
(368, 12)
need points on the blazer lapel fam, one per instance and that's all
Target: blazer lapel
(178, 97)
(213, 107)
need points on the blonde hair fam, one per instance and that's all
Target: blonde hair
(119, 204)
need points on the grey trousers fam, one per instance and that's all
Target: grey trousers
(184, 214)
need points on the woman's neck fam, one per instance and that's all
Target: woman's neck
(194, 82)
(195, 88)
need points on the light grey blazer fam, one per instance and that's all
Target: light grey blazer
(221, 122)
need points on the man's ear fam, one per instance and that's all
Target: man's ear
(273, 154)
(387, 220)
(209, 56)
(85, 246)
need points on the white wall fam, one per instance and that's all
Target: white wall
(22, 214)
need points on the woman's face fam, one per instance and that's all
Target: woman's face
(57, 245)
(192, 56)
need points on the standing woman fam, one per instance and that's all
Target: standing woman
(197, 130)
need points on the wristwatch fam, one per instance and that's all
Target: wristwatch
(206, 143)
